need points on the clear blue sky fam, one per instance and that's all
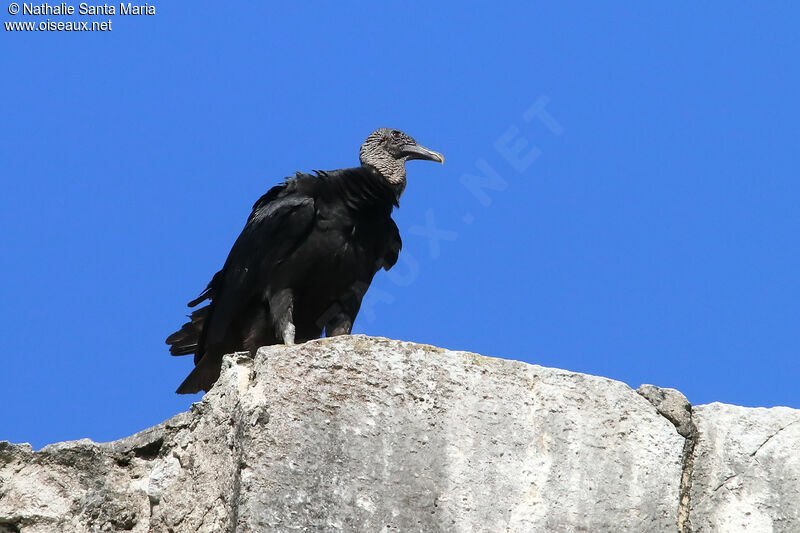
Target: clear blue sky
(647, 232)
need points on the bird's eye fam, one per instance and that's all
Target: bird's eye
(397, 135)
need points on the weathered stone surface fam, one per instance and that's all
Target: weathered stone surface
(746, 469)
(376, 435)
(366, 434)
(673, 405)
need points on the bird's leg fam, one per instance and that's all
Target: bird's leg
(340, 324)
(288, 333)
(258, 332)
(341, 321)
(281, 305)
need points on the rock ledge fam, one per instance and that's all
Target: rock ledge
(369, 434)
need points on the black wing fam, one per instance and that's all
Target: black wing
(279, 222)
(393, 247)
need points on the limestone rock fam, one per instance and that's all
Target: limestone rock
(367, 434)
(673, 405)
(747, 469)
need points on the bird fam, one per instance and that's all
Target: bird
(304, 260)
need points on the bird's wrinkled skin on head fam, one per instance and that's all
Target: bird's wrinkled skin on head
(387, 150)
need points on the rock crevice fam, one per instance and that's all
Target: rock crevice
(674, 406)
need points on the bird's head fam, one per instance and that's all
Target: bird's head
(387, 150)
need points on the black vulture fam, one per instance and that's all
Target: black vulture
(303, 261)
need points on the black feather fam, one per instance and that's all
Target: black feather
(304, 260)
(319, 239)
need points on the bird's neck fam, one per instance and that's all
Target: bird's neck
(392, 172)
(363, 188)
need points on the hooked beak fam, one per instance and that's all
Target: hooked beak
(415, 151)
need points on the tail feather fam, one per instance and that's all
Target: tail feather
(210, 291)
(189, 340)
(186, 340)
(202, 377)
(191, 384)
